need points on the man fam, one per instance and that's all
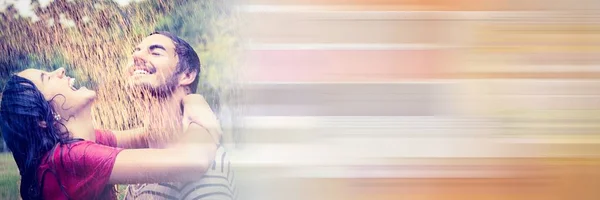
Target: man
(165, 69)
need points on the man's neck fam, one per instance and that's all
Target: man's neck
(164, 118)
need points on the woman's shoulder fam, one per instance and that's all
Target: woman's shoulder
(81, 149)
(105, 137)
(64, 154)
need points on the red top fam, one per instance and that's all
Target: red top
(83, 169)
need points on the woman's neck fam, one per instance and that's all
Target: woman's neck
(81, 126)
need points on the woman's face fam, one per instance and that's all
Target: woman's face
(58, 88)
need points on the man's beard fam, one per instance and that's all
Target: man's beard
(162, 91)
(153, 98)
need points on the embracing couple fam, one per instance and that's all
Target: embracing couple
(47, 125)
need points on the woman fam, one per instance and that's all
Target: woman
(47, 124)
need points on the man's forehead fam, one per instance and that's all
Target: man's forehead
(157, 39)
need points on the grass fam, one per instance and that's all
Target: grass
(9, 177)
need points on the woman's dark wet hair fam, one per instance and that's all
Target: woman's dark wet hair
(22, 109)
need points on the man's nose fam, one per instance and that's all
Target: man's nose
(138, 61)
(139, 58)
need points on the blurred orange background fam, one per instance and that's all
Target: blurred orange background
(415, 99)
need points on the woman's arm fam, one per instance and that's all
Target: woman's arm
(180, 163)
(132, 139)
(195, 110)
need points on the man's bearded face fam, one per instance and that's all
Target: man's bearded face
(153, 66)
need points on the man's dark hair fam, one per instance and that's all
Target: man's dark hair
(189, 62)
(188, 58)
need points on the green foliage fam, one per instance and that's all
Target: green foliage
(210, 27)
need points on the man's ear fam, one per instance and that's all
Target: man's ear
(187, 78)
(43, 124)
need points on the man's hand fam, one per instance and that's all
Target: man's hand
(196, 110)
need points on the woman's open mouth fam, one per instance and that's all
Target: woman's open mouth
(72, 84)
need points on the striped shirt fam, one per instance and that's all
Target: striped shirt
(218, 183)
